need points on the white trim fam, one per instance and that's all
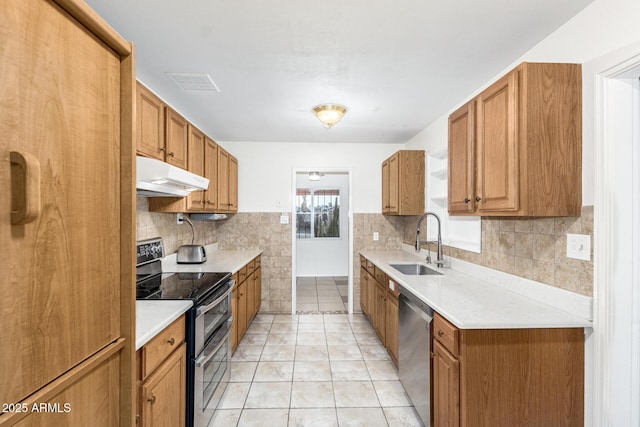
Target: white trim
(294, 172)
(605, 389)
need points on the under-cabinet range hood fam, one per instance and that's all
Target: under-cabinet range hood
(155, 178)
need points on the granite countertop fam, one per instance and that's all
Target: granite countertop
(471, 303)
(153, 316)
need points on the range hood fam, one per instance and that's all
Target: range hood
(155, 178)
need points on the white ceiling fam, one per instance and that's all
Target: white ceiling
(396, 65)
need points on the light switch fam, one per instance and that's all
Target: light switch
(579, 246)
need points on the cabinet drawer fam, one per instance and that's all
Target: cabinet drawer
(160, 347)
(363, 262)
(371, 268)
(381, 277)
(446, 334)
(250, 267)
(257, 262)
(242, 274)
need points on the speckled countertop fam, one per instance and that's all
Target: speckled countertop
(471, 303)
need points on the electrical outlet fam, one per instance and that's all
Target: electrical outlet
(579, 246)
(284, 218)
(376, 236)
(179, 218)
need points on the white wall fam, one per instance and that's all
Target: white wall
(326, 257)
(602, 27)
(265, 171)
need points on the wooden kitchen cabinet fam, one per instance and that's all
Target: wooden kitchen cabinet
(403, 183)
(524, 143)
(380, 310)
(507, 377)
(196, 164)
(67, 217)
(211, 173)
(364, 290)
(227, 182)
(162, 373)
(176, 139)
(247, 298)
(391, 321)
(150, 123)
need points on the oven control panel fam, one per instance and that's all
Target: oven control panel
(149, 250)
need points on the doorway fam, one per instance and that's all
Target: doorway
(322, 238)
(616, 382)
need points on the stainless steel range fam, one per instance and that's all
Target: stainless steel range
(208, 326)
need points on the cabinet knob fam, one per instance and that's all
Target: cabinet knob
(478, 198)
(172, 341)
(163, 149)
(152, 399)
(467, 200)
(440, 333)
(171, 154)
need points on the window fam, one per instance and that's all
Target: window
(318, 213)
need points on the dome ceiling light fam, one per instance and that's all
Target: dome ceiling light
(329, 114)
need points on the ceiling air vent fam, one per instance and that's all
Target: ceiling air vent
(189, 81)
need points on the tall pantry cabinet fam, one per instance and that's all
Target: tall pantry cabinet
(67, 217)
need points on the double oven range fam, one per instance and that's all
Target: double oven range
(208, 325)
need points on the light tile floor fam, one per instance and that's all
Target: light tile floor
(321, 294)
(313, 370)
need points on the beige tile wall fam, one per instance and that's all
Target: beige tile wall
(534, 248)
(264, 231)
(153, 224)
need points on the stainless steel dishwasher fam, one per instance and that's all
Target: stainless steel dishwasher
(415, 352)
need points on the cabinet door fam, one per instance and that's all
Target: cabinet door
(258, 296)
(394, 183)
(196, 144)
(60, 109)
(251, 296)
(234, 322)
(164, 393)
(371, 297)
(242, 310)
(176, 139)
(446, 388)
(149, 123)
(385, 186)
(211, 173)
(391, 325)
(363, 290)
(461, 159)
(233, 184)
(380, 311)
(223, 180)
(497, 139)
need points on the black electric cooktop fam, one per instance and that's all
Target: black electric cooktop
(193, 286)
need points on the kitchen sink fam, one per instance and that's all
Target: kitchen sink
(415, 270)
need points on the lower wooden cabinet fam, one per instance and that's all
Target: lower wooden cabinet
(162, 378)
(246, 299)
(507, 377)
(379, 302)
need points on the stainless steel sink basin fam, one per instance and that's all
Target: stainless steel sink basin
(415, 270)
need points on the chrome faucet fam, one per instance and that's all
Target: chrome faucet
(440, 258)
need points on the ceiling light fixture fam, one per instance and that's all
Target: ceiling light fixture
(329, 114)
(315, 176)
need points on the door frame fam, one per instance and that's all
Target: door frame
(294, 173)
(615, 386)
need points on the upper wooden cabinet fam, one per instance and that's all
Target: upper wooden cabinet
(176, 139)
(516, 149)
(162, 133)
(211, 173)
(227, 182)
(403, 183)
(150, 123)
(196, 164)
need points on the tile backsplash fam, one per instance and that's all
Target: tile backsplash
(534, 248)
(531, 248)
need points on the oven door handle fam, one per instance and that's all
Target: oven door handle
(204, 309)
(202, 360)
